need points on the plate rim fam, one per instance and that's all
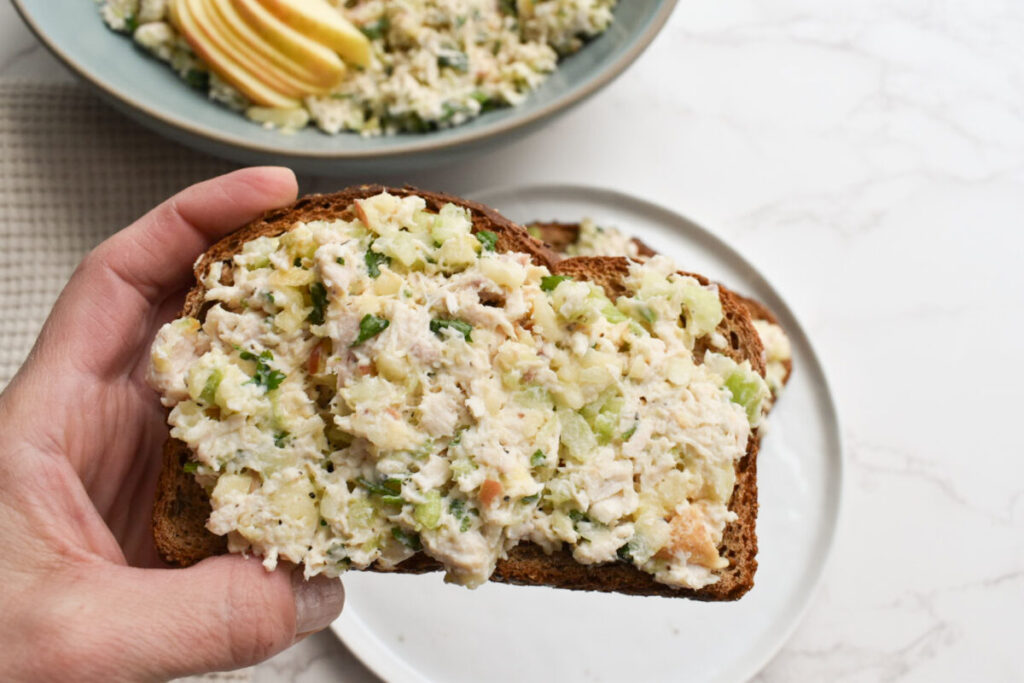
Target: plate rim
(421, 145)
(373, 656)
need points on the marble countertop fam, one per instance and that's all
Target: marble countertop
(869, 158)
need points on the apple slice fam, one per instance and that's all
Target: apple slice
(250, 50)
(221, 63)
(318, 19)
(325, 65)
(223, 39)
(254, 42)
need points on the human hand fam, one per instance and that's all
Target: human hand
(82, 596)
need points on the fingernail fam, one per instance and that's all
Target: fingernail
(318, 602)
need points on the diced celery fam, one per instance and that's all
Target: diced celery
(604, 426)
(747, 390)
(613, 314)
(703, 307)
(428, 513)
(209, 393)
(534, 396)
(576, 436)
(360, 512)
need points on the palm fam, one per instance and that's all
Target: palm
(80, 451)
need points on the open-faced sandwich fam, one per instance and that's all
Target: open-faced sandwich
(398, 380)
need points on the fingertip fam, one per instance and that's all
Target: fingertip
(318, 601)
(277, 181)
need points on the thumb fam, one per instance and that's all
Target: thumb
(224, 613)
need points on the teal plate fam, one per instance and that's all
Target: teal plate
(151, 93)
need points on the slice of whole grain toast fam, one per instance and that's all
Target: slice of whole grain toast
(182, 507)
(558, 236)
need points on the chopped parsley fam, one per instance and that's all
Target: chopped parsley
(455, 60)
(630, 432)
(340, 261)
(527, 500)
(373, 261)
(624, 553)
(538, 458)
(369, 327)
(280, 437)
(376, 29)
(458, 509)
(318, 293)
(458, 325)
(190, 467)
(549, 282)
(389, 490)
(198, 79)
(487, 103)
(576, 516)
(488, 239)
(265, 376)
(410, 541)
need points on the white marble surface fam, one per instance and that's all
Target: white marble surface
(869, 158)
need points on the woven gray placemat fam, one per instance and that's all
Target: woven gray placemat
(72, 172)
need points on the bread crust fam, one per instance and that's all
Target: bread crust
(182, 507)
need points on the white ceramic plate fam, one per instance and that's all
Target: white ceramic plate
(416, 628)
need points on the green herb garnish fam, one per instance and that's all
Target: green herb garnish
(549, 282)
(200, 80)
(458, 509)
(630, 432)
(318, 293)
(280, 437)
(576, 516)
(488, 239)
(538, 458)
(376, 29)
(265, 375)
(373, 261)
(456, 60)
(527, 500)
(458, 325)
(340, 261)
(624, 553)
(190, 467)
(369, 327)
(410, 541)
(487, 103)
